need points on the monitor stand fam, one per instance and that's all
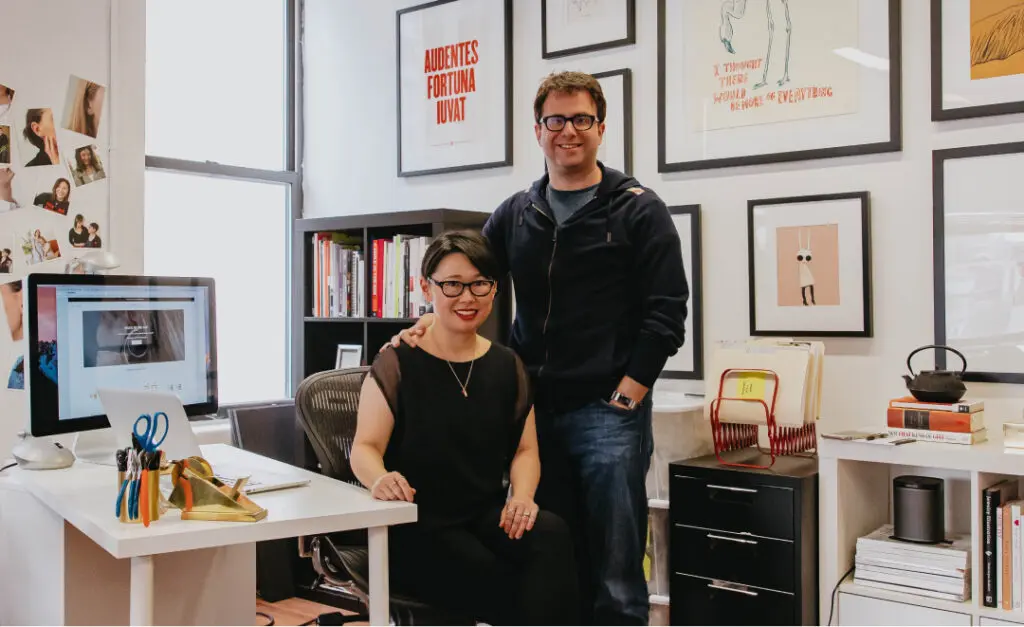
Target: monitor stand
(96, 447)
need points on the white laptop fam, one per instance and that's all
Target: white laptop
(123, 408)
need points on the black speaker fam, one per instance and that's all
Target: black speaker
(919, 509)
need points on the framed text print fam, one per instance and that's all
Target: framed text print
(570, 27)
(761, 81)
(454, 86)
(977, 58)
(810, 265)
(688, 363)
(978, 252)
(616, 148)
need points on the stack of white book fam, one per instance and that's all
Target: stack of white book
(940, 571)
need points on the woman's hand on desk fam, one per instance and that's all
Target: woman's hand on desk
(518, 516)
(392, 486)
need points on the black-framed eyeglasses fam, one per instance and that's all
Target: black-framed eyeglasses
(580, 122)
(452, 289)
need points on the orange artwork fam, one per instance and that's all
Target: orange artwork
(808, 265)
(997, 38)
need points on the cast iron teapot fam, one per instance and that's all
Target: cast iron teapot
(936, 386)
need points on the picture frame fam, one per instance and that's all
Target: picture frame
(688, 363)
(348, 356)
(454, 96)
(570, 27)
(966, 83)
(840, 96)
(617, 146)
(978, 284)
(809, 264)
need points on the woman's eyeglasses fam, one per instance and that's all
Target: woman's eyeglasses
(452, 289)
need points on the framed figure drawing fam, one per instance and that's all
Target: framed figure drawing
(617, 146)
(809, 261)
(576, 26)
(977, 58)
(454, 86)
(746, 82)
(688, 363)
(978, 252)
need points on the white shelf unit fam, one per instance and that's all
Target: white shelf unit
(855, 498)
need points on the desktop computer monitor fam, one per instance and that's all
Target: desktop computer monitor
(88, 332)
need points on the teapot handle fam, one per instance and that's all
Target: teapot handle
(948, 348)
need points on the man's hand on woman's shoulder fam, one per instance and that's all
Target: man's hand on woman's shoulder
(412, 335)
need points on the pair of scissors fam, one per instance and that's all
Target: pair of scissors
(148, 438)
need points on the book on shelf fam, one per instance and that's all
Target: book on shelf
(963, 406)
(944, 437)
(338, 275)
(935, 420)
(992, 500)
(940, 570)
(395, 264)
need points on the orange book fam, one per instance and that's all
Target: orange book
(933, 420)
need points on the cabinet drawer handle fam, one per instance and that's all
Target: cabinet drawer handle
(728, 588)
(712, 486)
(738, 540)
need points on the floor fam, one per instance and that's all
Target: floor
(293, 611)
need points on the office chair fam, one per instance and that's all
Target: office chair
(326, 404)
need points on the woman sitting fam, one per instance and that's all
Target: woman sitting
(442, 425)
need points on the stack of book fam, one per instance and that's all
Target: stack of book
(940, 571)
(955, 423)
(1002, 580)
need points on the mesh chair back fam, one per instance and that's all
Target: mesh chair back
(326, 405)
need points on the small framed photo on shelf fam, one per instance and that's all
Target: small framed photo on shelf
(978, 259)
(571, 27)
(977, 68)
(454, 86)
(688, 362)
(616, 149)
(809, 263)
(745, 83)
(349, 356)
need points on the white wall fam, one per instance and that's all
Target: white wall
(350, 168)
(102, 41)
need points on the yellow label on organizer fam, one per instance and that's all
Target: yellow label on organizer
(750, 385)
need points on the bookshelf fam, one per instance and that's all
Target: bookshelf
(854, 476)
(315, 338)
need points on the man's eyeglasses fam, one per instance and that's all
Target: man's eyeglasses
(581, 122)
(452, 289)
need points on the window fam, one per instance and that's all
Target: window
(222, 188)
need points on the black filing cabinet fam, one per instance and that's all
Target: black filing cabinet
(743, 542)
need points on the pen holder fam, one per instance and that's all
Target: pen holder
(152, 500)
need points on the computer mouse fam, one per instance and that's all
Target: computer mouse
(39, 454)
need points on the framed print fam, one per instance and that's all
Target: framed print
(978, 230)
(617, 146)
(570, 27)
(688, 363)
(454, 86)
(809, 261)
(349, 356)
(977, 59)
(763, 81)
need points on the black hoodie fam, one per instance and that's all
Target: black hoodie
(600, 296)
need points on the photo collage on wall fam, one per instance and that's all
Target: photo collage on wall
(53, 190)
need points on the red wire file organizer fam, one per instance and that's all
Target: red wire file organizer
(730, 436)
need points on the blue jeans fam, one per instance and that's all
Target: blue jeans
(594, 462)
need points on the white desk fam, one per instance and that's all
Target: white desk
(184, 572)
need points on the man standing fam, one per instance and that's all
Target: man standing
(600, 305)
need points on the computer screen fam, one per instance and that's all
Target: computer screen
(88, 332)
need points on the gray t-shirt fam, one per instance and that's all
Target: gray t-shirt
(566, 203)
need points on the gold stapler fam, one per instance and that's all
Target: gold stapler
(202, 496)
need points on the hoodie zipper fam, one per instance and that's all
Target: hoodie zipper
(551, 264)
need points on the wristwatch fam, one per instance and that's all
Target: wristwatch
(625, 400)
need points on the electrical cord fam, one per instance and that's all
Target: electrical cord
(832, 605)
(266, 616)
(10, 465)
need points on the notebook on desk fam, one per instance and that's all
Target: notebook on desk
(123, 408)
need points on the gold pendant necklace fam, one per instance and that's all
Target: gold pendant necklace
(461, 385)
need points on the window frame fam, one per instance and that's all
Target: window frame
(291, 176)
